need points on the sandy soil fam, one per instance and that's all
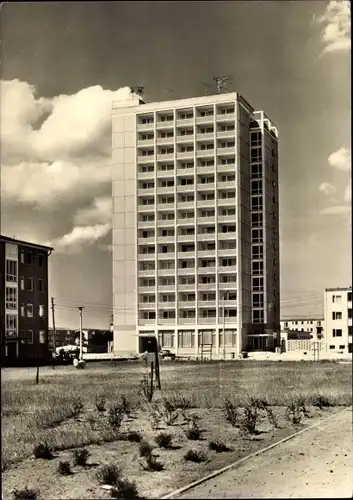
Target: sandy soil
(42, 474)
(318, 463)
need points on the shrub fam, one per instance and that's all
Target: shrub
(145, 449)
(231, 412)
(151, 464)
(108, 474)
(116, 416)
(195, 456)
(321, 401)
(77, 407)
(42, 450)
(80, 456)
(25, 494)
(134, 437)
(194, 432)
(125, 405)
(250, 419)
(64, 468)
(164, 440)
(145, 389)
(294, 413)
(100, 404)
(218, 445)
(125, 489)
(180, 402)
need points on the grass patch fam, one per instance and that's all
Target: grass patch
(25, 494)
(218, 445)
(108, 474)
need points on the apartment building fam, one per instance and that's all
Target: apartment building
(338, 319)
(315, 326)
(195, 226)
(23, 301)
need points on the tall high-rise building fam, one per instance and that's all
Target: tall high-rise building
(195, 226)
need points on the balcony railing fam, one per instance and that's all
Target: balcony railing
(166, 272)
(182, 271)
(165, 223)
(205, 186)
(165, 189)
(165, 206)
(206, 253)
(145, 126)
(226, 134)
(165, 173)
(146, 256)
(186, 222)
(146, 272)
(184, 155)
(146, 289)
(166, 256)
(226, 202)
(146, 208)
(206, 236)
(227, 286)
(226, 151)
(165, 239)
(186, 255)
(181, 188)
(226, 168)
(166, 321)
(145, 241)
(165, 156)
(204, 119)
(185, 171)
(186, 237)
(143, 306)
(184, 122)
(145, 175)
(206, 286)
(206, 220)
(185, 138)
(225, 117)
(145, 159)
(205, 137)
(207, 169)
(227, 236)
(185, 287)
(165, 140)
(227, 252)
(166, 288)
(145, 142)
(145, 191)
(227, 269)
(208, 304)
(185, 204)
(205, 153)
(205, 203)
(227, 218)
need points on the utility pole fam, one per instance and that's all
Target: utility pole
(81, 344)
(54, 331)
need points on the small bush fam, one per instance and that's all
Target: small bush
(100, 404)
(151, 464)
(145, 449)
(231, 412)
(42, 450)
(125, 489)
(80, 457)
(272, 417)
(116, 416)
(77, 407)
(145, 389)
(321, 401)
(108, 474)
(64, 468)
(218, 445)
(25, 494)
(125, 405)
(164, 440)
(294, 413)
(249, 421)
(194, 432)
(195, 456)
(134, 437)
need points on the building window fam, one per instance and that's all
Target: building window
(11, 298)
(258, 285)
(349, 297)
(256, 171)
(30, 284)
(337, 299)
(166, 339)
(22, 310)
(41, 336)
(342, 347)
(186, 338)
(29, 337)
(22, 283)
(257, 252)
(258, 300)
(256, 203)
(257, 267)
(256, 154)
(336, 315)
(258, 316)
(256, 187)
(22, 257)
(336, 332)
(11, 271)
(257, 236)
(332, 346)
(29, 310)
(41, 311)
(11, 324)
(41, 285)
(256, 219)
(41, 260)
(350, 313)
(29, 258)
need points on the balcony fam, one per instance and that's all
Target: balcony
(227, 286)
(166, 288)
(206, 236)
(166, 256)
(146, 306)
(165, 157)
(226, 168)
(165, 206)
(205, 153)
(186, 255)
(185, 287)
(208, 304)
(162, 174)
(165, 125)
(186, 222)
(226, 151)
(166, 305)
(185, 138)
(187, 122)
(166, 223)
(146, 241)
(144, 143)
(181, 188)
(205, 186)
(146, 256)
(143, 322)
(185, 171)
(206, 270)
(206, 321)
(145, 192)
(146, 289)
(185, 204)
(166, 321)
(226, 134)
(166, 272)
(226, 202)
(185, 155)
(206, 286)
(165, 239)
(227, 303)
(145, 224)
(206, 253)
(146, 272)
(205, 203)
(189, 238)
(184, 271)
(145, 175)
(206, 220)
(141, 127)
(186, 304)
(204, 119)
(167, 141)
(227, 269)
(228, 252)
(165, 189)
(227, 236)
(142, 160)
(228, 117)
(186, 321)
(145, 208)
(207, 169)
(205, 137)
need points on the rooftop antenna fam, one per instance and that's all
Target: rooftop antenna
(206, 88)
(137, 89)
(170, 91)
(222, 82)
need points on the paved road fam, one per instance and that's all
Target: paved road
(317, 463)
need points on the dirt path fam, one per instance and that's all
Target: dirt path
(317, 463)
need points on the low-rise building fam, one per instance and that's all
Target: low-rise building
(94, 340)
(338, 319)
(315, 326)
(23, 301)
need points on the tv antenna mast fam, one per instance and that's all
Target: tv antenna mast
(170, 91)
(222, 82)
(137, 89)
(206, 88)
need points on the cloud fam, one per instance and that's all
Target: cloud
(80, 237)
(336, 210)
(99, 212)
(340, 159)
(336, 31)
(327, 188)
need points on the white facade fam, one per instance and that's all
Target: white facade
(195, 225)
(338, 319)
(314, 326)
(11, 296)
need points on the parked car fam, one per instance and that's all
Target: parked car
(166, 353)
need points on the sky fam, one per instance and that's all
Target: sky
(64, 63)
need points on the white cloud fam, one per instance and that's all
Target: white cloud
(340, 159)
(327, 188)
(99, 212)
(80, 237)
(336, 210)
(336, 31)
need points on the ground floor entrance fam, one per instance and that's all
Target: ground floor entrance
(146, 343)
(260, 343)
